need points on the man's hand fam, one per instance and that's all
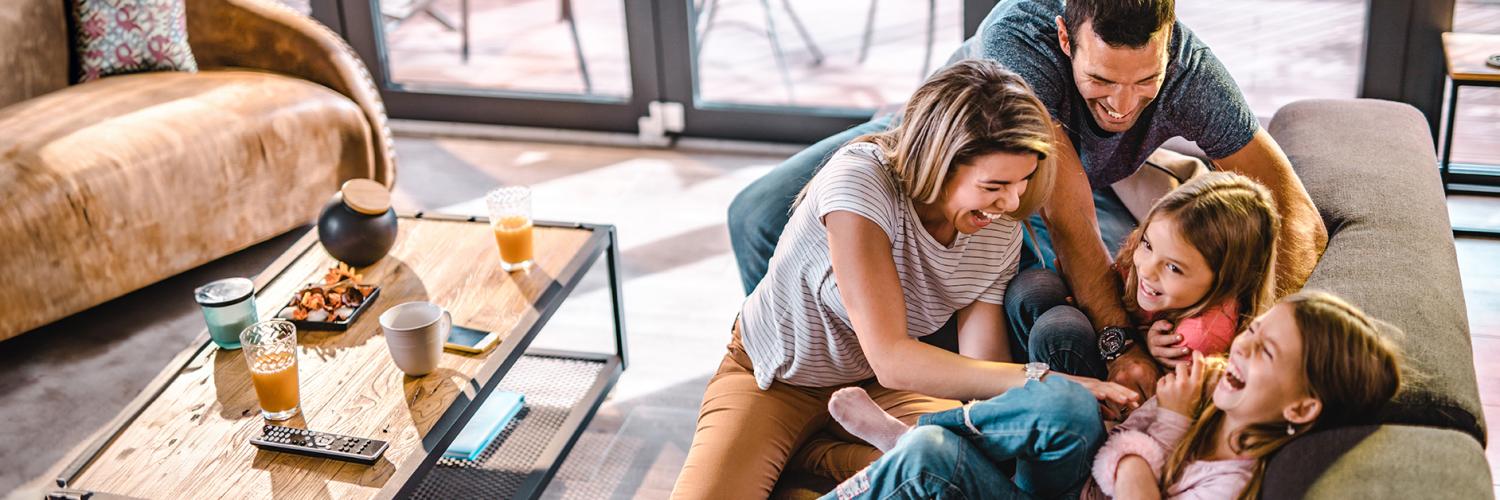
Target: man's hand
(1180, 391)
(1165, 345)
(1135, 370)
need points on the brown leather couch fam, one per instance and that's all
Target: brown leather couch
(115, 184)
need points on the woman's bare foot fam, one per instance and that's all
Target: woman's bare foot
(859, 414)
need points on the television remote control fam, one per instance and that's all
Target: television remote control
(319, 444)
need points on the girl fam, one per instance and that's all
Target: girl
(900, 231)
(1312, 362)
(1195, 270)
(1200, 264)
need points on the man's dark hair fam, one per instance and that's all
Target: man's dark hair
(1127, 23)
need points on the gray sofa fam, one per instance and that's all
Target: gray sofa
(1370, 168)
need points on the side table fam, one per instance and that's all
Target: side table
(1465, 54)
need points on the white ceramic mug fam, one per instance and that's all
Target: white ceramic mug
(415, 333)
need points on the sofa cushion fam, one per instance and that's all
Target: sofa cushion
(115, 184)
(1374, 462)
(116, 37)
(1370, 168)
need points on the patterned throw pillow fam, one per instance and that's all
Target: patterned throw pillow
(130, 36)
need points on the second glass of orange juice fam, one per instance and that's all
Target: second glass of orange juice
(271, 349)
(510, 217)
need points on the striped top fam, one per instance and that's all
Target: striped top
(794, 325)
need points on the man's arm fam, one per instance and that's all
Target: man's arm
(1303, 236)
(1085, 261)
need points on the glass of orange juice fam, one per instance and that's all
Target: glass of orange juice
(271, 349)
(510, 218)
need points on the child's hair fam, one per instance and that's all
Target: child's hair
(1347, 366)
(1233, 222)
(967, 110)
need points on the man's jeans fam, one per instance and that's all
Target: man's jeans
(1044, 327)
(1050, 428)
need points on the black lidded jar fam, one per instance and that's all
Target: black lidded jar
(358, 226)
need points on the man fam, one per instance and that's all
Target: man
(1119, 77)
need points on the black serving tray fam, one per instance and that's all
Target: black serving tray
(340, 326)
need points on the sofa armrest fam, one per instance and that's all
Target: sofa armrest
(266, 35)
(1377, 462)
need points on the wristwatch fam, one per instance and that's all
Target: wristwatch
(1035, 371)
(1113, 341)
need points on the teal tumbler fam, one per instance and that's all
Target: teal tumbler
(228, 307)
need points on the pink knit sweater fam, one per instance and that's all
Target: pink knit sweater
(1153, 434)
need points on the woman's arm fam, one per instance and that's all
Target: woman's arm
(982, 333)
(1134, 480)
(866, 276)
(865, 272)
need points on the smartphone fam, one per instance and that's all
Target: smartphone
(465, 339)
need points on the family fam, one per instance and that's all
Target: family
(1099, 354)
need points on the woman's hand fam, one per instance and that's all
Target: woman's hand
(1165, 345)
(1180, 391)
(1108, 393)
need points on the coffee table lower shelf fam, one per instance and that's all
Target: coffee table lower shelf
(562, 391)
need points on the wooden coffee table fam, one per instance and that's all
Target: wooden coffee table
(186, 435)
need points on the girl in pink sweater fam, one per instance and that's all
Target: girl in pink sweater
(1200, 264)
(1312, 362)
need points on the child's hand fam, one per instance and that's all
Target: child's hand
(1112, 397)
(1180, 391)
(1166, 345)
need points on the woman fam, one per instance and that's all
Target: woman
(897, 233)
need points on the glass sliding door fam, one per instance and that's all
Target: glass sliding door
(567, 47)
(1280, 51)
(800, 70)
(576, 64)
(1474, 202)
(1476, 138)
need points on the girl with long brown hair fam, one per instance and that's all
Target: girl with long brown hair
(1200, 265)
(1312, 362)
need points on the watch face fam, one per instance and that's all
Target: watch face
(1111, 341)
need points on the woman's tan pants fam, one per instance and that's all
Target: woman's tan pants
(747, 436)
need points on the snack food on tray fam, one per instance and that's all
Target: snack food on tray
(335, 299)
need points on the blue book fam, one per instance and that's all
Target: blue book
(487, 423)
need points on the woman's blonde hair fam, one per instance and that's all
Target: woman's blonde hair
(965, 111)
(1232, 221)
(1346, 365)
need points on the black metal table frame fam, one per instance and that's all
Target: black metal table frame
(1466, 178)
(603, 242)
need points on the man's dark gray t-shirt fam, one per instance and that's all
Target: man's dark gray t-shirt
(1198, 100)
